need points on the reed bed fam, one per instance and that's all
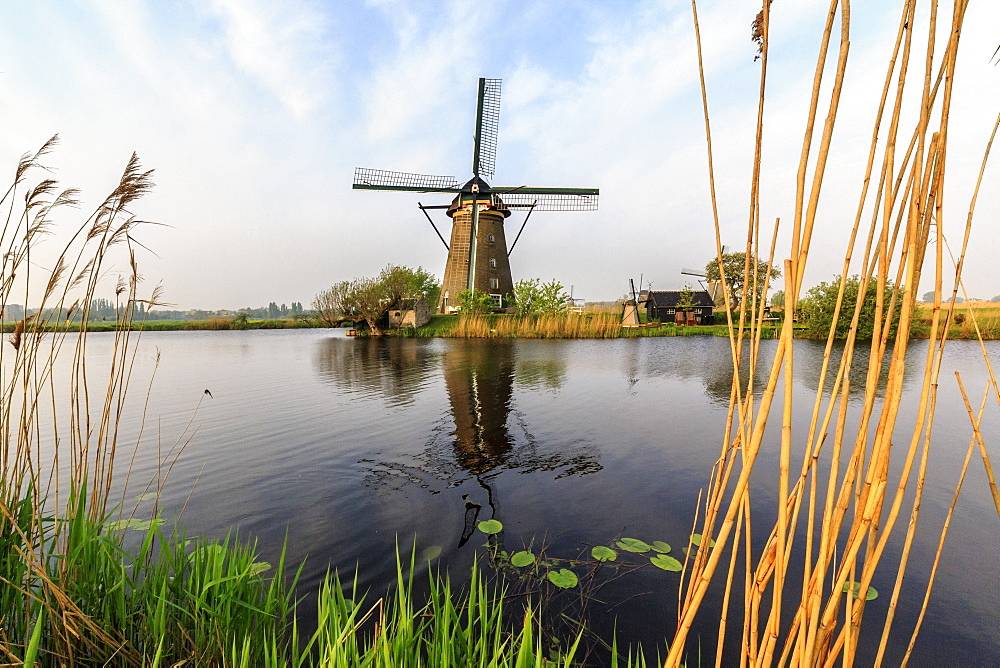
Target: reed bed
(784, 570)
(561, 326)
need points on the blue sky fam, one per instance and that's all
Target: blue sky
(254, 115)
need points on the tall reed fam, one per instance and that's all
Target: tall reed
(559, 326)
(71, 592)
(839, 500)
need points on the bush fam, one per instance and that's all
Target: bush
(817, 307)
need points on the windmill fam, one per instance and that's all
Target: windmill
(630, 309)
(478, 258)
(713, 286)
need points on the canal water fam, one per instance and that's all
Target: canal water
(350, 446)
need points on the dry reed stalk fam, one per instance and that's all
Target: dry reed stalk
(860, 497)
(944, 528)
(752, 448)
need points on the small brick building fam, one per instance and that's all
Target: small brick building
(407, 313)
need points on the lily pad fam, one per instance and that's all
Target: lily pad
(522, 559)
(660, 546)
(490, 526)
(665, 562)
(135, 523)
(563, 578)
(633, 545)
(258, 567)
(430, 553)
(696, 539)
(602, 553)
(855, 588)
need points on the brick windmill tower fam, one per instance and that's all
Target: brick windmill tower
(478, 258)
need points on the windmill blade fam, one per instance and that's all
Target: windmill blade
(380, 179)
(694, 272)
(549, 199)
(484, 151)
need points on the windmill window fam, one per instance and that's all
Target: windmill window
(493, 262)
(491, 238)
(497, 299)
(494, 283)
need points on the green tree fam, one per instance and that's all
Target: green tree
(474, 302)
(778, 299)
(816, 308)
(686, 301)
(332, 305)
(733, 264)
(406, 283)
(531, 296)
(368, 298)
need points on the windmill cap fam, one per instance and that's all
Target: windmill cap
(476, 185)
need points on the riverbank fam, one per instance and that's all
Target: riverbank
(969, 322)
(570, 326)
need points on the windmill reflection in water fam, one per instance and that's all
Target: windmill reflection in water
(484, 433)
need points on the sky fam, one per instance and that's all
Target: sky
(254, 114)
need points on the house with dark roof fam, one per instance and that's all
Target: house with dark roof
(661, 305)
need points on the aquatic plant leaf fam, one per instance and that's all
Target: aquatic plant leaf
(696, 539)
(563, 578)
(135, 523)
(522, 559)
(602, 553)
(147, 495)
(665, 562)
(258, 567)
(660, 546)
(633, 545)
(855, 588)
(490, 526)
(430, 553)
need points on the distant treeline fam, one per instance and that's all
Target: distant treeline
(105, 310)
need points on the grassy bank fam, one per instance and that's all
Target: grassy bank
(969, 321)
(170, 601)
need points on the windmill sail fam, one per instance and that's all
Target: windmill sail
(484, 152)
(380, 179)
(549, 199)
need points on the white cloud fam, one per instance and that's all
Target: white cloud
(283, 46)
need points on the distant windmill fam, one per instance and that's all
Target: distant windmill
(713, 286)
(630, 309)
(479, 210)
